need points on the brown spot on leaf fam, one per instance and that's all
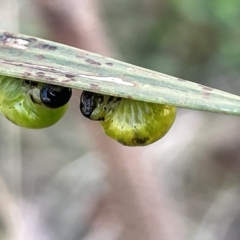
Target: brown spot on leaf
(50, 78)
(205, 95)
(41, 74)
(204, 88)
(26, 74)
(10, 40)
(40, 57)
(46, 46)
(180, 79)
(91, 61)
(79, 56)
(8, 34)
(32, 39)
(69, 75)
(206, 91)
(69, 80)
(109, 64)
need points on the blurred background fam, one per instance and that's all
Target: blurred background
(72, 182)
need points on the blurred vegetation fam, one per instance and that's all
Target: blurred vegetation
(194, 40)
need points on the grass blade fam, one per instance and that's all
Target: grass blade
(45, 61)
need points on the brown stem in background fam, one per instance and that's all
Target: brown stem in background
(143, 207)
(76, 23)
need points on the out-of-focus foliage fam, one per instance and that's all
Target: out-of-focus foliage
(195, 40)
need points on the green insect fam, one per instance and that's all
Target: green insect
(32, 104)
(130, 122)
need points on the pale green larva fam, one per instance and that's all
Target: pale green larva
(32, 104)
(130, 122)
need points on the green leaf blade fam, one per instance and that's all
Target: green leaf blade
(40, 60)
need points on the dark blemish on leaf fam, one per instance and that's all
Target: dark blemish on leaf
(4, 38)
(91, 61)
(206, 92)
(46, 47)
(69, 80)
(118, 99)
(41, 74)
(69, 75)
(182, 80)
(40, 57)
(26, 74)
(109, 64)
(53, 70)
(204, 88)
(32, 39)
(9, 40)
(205, 95)
(79, 56)
(50, 78)
(8, 34)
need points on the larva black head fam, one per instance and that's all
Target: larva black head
(87, 103)
(55, 96)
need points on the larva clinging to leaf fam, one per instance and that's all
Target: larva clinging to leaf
(32, 104)
(130, 122)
